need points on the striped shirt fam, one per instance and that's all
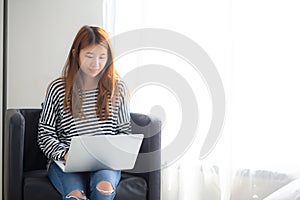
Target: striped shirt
(57, 126)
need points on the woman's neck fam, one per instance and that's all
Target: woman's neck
(90, 83)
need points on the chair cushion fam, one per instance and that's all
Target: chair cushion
(131, 187)
(37, 186)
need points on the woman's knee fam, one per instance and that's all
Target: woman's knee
(105, 187)
(76, 194)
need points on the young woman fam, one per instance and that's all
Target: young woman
(88, 99)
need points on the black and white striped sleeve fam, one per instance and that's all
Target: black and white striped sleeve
(123, 118)
(47, 134)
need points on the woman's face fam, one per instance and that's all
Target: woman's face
(92, 60)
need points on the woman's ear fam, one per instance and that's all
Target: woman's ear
(74, 52)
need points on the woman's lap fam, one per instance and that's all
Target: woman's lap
(66, 183)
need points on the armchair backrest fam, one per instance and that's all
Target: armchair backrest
(34, 158)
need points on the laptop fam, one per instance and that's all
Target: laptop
(92, 153)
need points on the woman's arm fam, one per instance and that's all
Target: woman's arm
(123, 119)
(47, 134)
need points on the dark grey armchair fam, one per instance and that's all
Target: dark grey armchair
(25, 175)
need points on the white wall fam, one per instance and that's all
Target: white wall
(1, 92)
(40, 34)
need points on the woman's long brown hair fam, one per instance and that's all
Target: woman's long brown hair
(89, 35)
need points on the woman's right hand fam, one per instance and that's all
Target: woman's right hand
(66, 156)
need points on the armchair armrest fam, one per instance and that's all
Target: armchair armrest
(13, 154)
(149, 160)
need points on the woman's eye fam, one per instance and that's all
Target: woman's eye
(89, 56)
(102, 58)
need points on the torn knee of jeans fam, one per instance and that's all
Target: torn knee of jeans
(105, 187)
(77, 194)
(105, 191)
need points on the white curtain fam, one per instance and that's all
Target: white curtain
(255, 46)
(109, 14)
(187, 177)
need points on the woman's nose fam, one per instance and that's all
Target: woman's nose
(96, 62)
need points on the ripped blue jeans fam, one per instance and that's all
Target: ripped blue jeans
(66, 183)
